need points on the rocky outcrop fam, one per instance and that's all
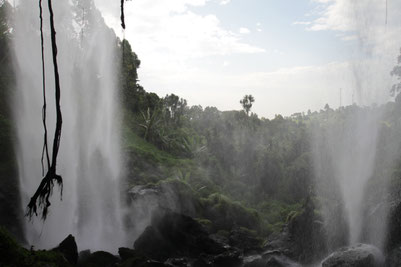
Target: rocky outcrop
(99, 259)
(68, 247)
(271, 259)
(393, 258)
(302, 239)
(173, 235)
(361, 255)
(245, 239)
(394, 226)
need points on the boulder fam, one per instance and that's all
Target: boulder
(83, 256)
(360, 255)
(393, 258)
(127, 253)
(303, 238)
(174, 235)
(270, 260)
(394, 226)
(177, 262)
(68, 247)
(281, 261)
(245, 239)
(228, 259)
(99, 259)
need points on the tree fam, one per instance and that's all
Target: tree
(396, 88)
(175, 107)
(247, 102)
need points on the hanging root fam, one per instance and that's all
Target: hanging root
(45, 149)
(122, 15)
(42, 195)
(45, 189)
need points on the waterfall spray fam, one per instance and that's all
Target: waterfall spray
(90, 157)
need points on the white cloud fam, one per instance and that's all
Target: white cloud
(168, 33)
(302, 23)
(364, 21)
(244, 30)
(224, 2)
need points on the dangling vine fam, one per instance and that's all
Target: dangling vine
(45, 189)
(122, 15)
(45, 149)
(41, 198)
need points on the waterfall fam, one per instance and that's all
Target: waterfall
(90, 157)
(344, 160)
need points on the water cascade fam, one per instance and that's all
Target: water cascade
(89, 159)
(345, 148)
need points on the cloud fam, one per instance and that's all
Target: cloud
(169, 33)
(244, 30)
(302, 23)
(372, 24)
(224, 2)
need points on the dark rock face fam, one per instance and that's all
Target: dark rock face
(99, 259)
(68, 247)
(127, 253)
(173, 235)
(270, 260)
(394, 227)
(302, 239)
(228, 259)
(393, 258)
(244, 239)
(361, 255)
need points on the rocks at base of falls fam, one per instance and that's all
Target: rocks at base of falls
(393, 243)
(173, 235)
(98, 259)
(394, 226)
(302, 239)
(68, 247)
(271, 259)
(361, 255)
(393, 258)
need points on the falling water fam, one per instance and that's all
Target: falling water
(89, 159)
(345, 147)
(345, 153)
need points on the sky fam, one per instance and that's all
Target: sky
(291, 55)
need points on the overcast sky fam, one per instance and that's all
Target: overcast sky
(291, 55)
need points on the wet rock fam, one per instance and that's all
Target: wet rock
(68, 247)
(393, 258)
(141, 191)
(255, 262)
(303, 238)
(83, 256)
(127, 253)
(100, 259)
(394, 226)
(361, 255)
(281, 261)
(177, 262)
(202, 261)
(245, 239)
(173, 235)
(270, 260)
(228, 259)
